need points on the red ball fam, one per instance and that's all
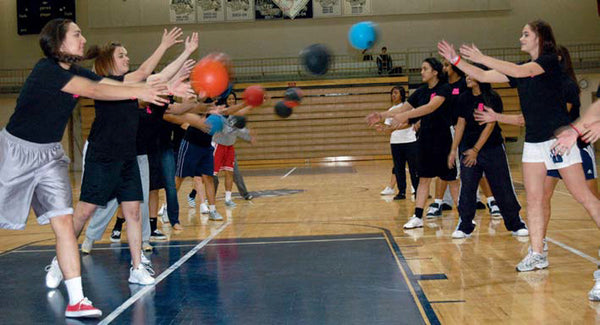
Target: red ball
(254, 95)
(209, 78)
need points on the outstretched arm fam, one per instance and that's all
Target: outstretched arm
(191, 44)
(168, 39)
(447, 51)
(116, 91)
(488, 115)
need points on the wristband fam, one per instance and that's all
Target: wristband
(475, 149)
(455, 60)
(576, 130)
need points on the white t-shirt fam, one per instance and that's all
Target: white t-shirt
(407, 135)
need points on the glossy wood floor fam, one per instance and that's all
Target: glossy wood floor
(482, 285)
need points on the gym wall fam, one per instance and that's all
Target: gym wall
(408, 24)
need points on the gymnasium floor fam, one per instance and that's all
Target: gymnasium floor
(319, 245)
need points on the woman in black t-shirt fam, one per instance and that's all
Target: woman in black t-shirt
(482, 151)
(35, 130)
(539, 86)
(430, 104)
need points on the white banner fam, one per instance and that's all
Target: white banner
(291, 8)
(239, 9)
(210, 10)
(357, 7)
(182, 11)
(327, 8)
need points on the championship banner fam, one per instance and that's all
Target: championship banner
(239, 9)
(327, 8)
(210, 10)
(357, 7)
(267, 10)
(291, 8)
(182, 11)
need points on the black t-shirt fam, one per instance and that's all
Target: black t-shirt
(542, 100)
(149, 129)
(456, 89)
(43, 109)
(435, 127)
(571, 93)
(114, 130)
(468, 103)
(198, 137)
(598, 92)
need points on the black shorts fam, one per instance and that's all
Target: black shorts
(105, 179)
(156, 178)
(433, 159)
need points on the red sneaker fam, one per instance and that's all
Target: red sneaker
(83, 308)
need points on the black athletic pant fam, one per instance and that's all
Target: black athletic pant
(491, 161)
(401, 154)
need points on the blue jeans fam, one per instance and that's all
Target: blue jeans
(167, 163)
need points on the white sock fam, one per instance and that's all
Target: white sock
(490, 199)
(438, 201)
(227, 195)
(74, 289)
(212, 207)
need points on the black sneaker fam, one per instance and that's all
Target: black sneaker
(115, 236)
(480, 205)
(157, 235)
(434, 211)
(400, 196)
(248, 197)
(446, 207)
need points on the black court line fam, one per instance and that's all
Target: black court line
(426, 277)
(447, 301)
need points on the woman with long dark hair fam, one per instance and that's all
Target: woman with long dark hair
(539, 83)
(430, 104)
(35, 130)
(481, 150)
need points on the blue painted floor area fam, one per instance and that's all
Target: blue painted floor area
(349, 279)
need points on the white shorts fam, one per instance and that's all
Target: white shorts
(540, 152)
(32, 175)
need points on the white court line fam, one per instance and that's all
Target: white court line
(119, 310)
(288, 173)
(574, 251)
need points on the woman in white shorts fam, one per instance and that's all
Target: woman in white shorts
(33, 166)
(539, 84)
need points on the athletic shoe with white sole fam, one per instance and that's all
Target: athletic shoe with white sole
(86, 246)
(434, 211)
(140, 276)
(54, 275)
(203, 208)
(523, 232)
(230, 204)
(157, 235)
(533, 261)
(162, 209)
(83, 308)
(191, 201)
(215, 216)
(494, 210)
(115, 236)
(459, 234)
(594, 294)
(414, 222)
(387, 191)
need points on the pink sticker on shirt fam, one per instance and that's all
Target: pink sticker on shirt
(148, 110)
(480, 107)
(455, 91)
(75, 96)
(432, 95)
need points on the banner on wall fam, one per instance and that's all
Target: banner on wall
(327, 8)
(239, 9)
(292, 8)
(182, 11)
(267, 10)
(210, 10)
(357, 7)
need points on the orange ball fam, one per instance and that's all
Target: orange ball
(254, 95)
(209, 78)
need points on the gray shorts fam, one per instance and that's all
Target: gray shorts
(32, 175)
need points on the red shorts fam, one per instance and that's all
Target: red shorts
(224, 156)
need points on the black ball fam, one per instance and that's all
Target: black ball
(282, 110)
(293, 94)
(316, 59)
(239, 121)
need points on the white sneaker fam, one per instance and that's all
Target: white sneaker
(140, 276)
(86, 246)
(532, 262)
(191, 201)
(594, 294)
(203, 208)
(54, 275)
(165, 217)
(523, 232)
(162, 209)
(414, 222)
(146, 263)
(230, 204)
(494, 210)
(215, 216)
(387, 191)
(459, 234)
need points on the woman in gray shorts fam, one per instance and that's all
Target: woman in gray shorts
(33, 166)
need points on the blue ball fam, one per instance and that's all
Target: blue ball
(216, 123)
(363, 35)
